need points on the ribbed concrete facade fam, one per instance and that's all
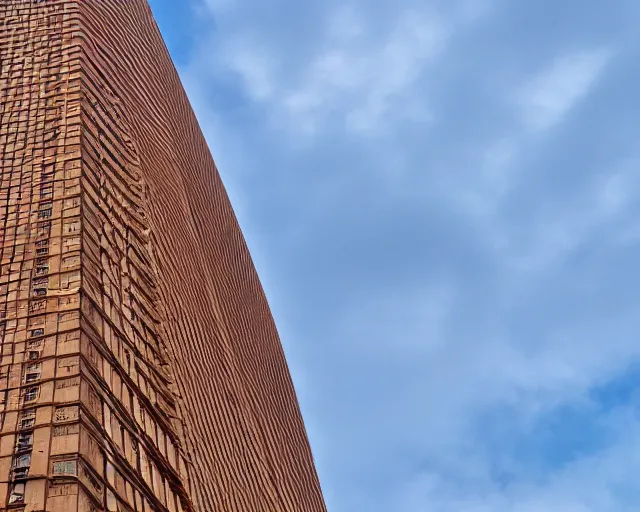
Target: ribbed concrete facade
(141, 369)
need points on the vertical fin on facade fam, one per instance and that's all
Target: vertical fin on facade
(119, 299)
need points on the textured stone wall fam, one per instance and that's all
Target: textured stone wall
(141, 369)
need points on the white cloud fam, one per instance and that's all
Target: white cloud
(216, 7)
(387, 75)
(560, 229)
(557, 229)
(603, 482)
(363, 78)
(254, 65)
(552, 93)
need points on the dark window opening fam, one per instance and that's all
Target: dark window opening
(31, 394)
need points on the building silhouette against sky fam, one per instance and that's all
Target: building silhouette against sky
(141, 369)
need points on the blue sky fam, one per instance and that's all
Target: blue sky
(442, 201)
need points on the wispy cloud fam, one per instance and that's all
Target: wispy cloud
(370, 80)
(355, 75)
(551, 94)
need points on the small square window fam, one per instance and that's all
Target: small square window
(31, 394)
(27, 423)
(67, 467)
(23, 461)
(20, 472)
(31, 377)
(28, 414)
(25, 441)
(17, 494)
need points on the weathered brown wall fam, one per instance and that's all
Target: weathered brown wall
(242, 422)
(241, 425)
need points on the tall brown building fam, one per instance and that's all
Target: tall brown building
(141, 369)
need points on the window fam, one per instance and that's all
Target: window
(32, 372)
(33, 355)
(29, 413)
(45, 214)
(67, 467)
(42, 270)
(17, 494)
(37, 332)
(20, 472)
(43, 230)
(39, 292)
(23, 461)
(41, 251)
(27, 423)
(25, 441)
(31, 394)
(31, 377)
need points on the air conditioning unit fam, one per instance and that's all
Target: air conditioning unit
(16, 498)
